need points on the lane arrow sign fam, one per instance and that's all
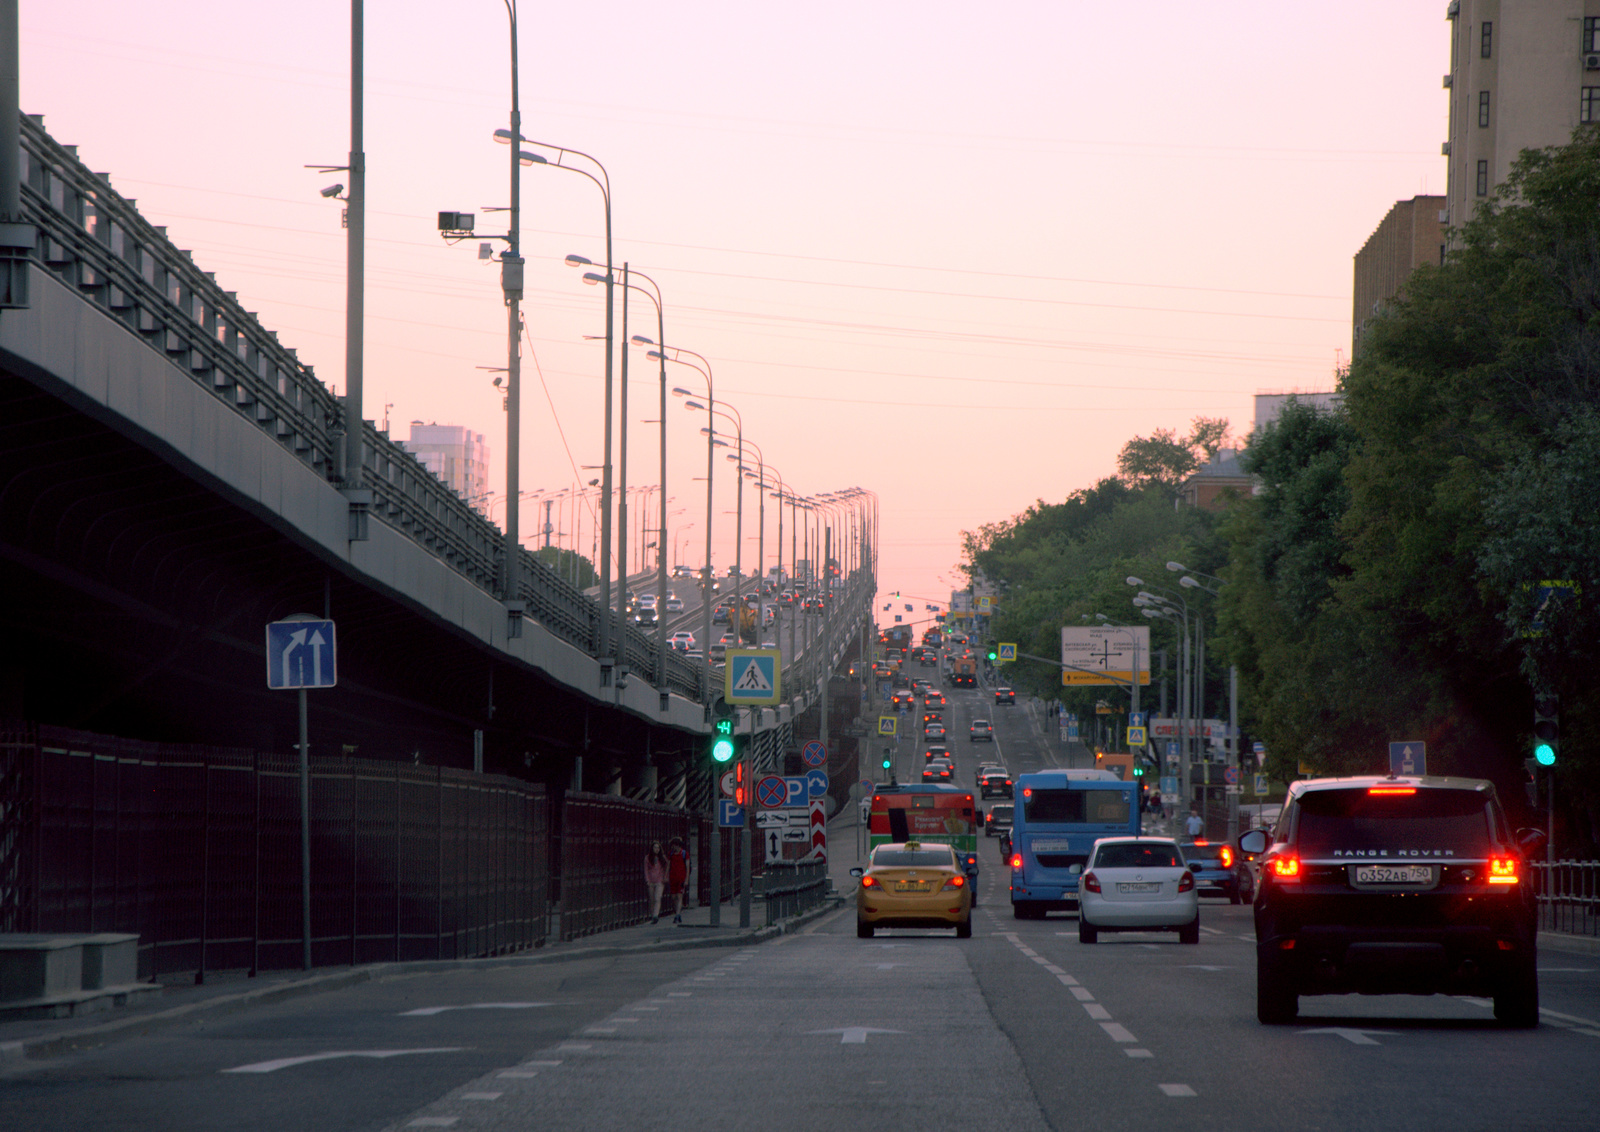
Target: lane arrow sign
(855, 1035)
(1353, 1036)
(295, 640)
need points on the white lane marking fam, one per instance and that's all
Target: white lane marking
(333, 1055)
(542, 1064)
(644, 1008)
(1573, 1018)
(430, 1011)
(624, 1020)
(1211, 931)
(1082, 994)
(481, 1096)
(1566, 970)
(886, 966)
(1067, 980)
(1117, 1032)
(1176, 1090)
(1138, 1053)
(855, 1035)
(1202, 967)
(1096, 1011)
(600, 1029)
(1028, 951)
(432, 1122)
(575, 1046)
(1352, 1035)
(515, 1073)
(1053, 969)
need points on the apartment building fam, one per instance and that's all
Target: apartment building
(457, 455)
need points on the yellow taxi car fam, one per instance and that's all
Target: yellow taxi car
(913, 885)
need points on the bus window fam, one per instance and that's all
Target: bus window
(1075, 807)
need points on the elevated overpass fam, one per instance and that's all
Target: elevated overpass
(169, 483)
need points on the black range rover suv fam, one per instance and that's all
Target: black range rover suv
(1395, 886)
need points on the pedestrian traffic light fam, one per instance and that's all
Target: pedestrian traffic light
(1546, 729)
(723, 747)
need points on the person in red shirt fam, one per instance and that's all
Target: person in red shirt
(677, 876)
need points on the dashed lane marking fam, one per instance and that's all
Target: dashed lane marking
(1118, 1033)
(1177, 1090)
(481, 1096)
(1082, 994)
(1138, 1053)
(1096, 1011)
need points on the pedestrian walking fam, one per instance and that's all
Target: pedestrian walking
(1193, 825)
(655, 878)
(677, 875)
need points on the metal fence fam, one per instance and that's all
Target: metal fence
(1569, 896)
(602, 844)
(197, 849)
(790, 887)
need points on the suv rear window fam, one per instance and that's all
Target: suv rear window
(1108, 807)
(1340, 823)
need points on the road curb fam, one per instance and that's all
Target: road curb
(138, 1026)
(1572, 944)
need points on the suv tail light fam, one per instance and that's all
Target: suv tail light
(1186, 882)
(1503, 870)
(1091, 883)
(1285, 868)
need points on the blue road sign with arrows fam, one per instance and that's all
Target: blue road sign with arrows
(1408, 758)
(301, 654)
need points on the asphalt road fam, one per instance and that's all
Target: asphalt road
(1019, 1028)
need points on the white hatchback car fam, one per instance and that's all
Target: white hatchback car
(1138, 884)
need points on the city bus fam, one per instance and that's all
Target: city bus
(1059, 815)
(927, 812)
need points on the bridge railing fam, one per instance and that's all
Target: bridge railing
(94, 240)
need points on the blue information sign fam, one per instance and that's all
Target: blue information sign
(300, 654)
(816, 783)
(1409, 757)
(729, 813)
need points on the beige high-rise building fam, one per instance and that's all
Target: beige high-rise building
(1407, 237)
(457, 455)
(1523, 75)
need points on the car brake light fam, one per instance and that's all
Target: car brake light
(1016, 860)
(869, 882)
(955, 882)
(1186, 882)
(1286, 868)
(1201, 841)
(1391, 790)
(1227, 857)
(1091, 883)
(1502, 870)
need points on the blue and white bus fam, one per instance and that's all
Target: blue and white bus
(1059, 814)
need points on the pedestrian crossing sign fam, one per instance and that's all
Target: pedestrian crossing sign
(753, 676)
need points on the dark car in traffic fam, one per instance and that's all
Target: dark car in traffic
(1397, 885)
(1219, 870)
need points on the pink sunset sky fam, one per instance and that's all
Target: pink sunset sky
(956, 254)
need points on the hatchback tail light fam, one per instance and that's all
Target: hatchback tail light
(1186, 882)
(1091, 883)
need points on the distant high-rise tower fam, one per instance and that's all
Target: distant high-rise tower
(1523, 75)
(458, 456)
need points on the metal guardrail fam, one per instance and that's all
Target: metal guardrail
(94, 239)
(791, 887)
(1569, 896)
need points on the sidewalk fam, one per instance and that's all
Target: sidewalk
(226, 991)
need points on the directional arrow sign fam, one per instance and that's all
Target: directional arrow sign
(301, 654)
(1353, 1036)
(855, 1035)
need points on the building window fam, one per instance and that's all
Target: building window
(1486, 45)
(1589, 104)
(1483, 108)
(1483, 178)
(1591, 34)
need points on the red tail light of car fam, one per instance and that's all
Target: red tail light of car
(1186, 883)
(1286, 869)
(1091, 883)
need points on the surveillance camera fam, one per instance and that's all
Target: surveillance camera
(498, 382)
(333, 190)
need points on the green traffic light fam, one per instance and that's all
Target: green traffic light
(1544, 754)
(722, 747)
(886, 764)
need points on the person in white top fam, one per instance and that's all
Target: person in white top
(1193, 825)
